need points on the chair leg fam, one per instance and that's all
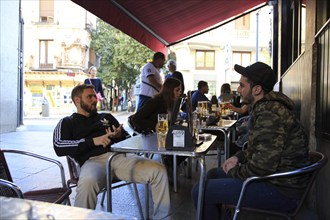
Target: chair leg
(103, 196)
(189, 167)
(146, 193)
(68, 202)
(138, 200)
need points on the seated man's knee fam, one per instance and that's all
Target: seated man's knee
(89, 182)
(158, 169)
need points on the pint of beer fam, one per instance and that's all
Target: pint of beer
(162, 123)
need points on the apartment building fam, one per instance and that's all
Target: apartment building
(57, 36)
(212, 55)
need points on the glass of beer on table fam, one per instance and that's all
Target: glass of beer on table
(162, 123)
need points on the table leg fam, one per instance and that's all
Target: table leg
(201, 189)
(146, 194)
(175, 184)
(225, 148)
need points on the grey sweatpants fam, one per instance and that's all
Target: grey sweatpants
(129, 167)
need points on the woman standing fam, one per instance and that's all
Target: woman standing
(97, 84)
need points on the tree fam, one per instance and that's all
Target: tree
(121, 56)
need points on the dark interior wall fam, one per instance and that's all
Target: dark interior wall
(322, 184)
(298, 81)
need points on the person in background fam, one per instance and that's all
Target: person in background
(171, 65)
(97, 83)
(146, 118)
(129, 105)
(226, 94)
(151, 80)
(243, 110)
(87, 136)
(115, 103)
(277, 143)
(199, 95)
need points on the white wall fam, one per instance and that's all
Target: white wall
(9, 36)
(9, 30)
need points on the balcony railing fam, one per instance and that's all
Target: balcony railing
(243, 34)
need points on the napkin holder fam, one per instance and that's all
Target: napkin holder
(179, 138)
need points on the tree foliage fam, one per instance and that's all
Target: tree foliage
(121, 56)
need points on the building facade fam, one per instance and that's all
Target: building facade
(57, 36)
(212, 55)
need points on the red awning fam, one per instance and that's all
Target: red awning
(161, 23)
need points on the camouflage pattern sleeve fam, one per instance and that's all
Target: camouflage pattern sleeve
(265, 146)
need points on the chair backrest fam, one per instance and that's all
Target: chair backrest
(74, 171)
(318, 160)
(5, 175)
(4, 170)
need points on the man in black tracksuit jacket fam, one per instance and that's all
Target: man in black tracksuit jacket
(87, 135)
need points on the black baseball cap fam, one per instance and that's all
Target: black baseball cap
(260, 73)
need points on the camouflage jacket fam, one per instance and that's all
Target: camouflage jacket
(277, 142)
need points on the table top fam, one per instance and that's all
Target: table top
(222, 124)
(49, 211)
(155, 144)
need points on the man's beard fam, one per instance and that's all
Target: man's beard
(90, 109)
(248, 99)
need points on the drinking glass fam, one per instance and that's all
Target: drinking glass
(206, 109)
(162, 123)
(161, 139)
(200, 106)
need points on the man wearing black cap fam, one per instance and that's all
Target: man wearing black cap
(276, 143)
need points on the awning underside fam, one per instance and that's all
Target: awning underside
(160, 23)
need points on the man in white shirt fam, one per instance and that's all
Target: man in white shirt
(151, 80)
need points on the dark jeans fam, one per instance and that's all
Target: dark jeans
(222, 189)
(142, 100)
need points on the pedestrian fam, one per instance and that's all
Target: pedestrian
(92, 71)
(151, 80)
(171, 65)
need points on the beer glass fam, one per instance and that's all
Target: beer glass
(162, 123)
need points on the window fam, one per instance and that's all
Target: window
(205, 59)
(46, 54)
(243, 23)
(241, 58)
(46, 11)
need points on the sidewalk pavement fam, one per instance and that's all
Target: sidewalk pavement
(36, 135)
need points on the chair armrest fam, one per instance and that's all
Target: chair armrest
(76, 165)
(246, 183)
(26, 153)
(13, 187)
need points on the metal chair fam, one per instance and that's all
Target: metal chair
(318, 160)
(74, 171)
(8, 188)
